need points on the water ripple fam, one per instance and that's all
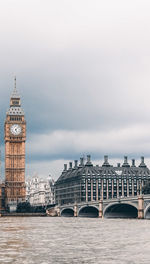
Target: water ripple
(48, 240)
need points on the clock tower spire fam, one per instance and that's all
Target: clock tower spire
(15, 137)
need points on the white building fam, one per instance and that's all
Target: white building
(40, 191)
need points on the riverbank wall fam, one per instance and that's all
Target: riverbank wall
(23, 214)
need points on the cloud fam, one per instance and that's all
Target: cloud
(83, 72)
(133, 140)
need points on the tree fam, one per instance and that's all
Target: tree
(24, 207)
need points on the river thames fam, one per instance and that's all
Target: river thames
(44, 240)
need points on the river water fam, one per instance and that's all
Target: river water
(44, 240)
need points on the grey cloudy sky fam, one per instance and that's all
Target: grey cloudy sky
(83, 70)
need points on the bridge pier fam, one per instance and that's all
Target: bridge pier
(75, 211)
(101, 209)
(58, 211)
(140, 207)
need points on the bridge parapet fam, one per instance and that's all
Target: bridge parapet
(138, 204)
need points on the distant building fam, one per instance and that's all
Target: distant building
(86, 182)
(40, 192)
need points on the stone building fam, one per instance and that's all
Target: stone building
(87, 182)
(40, 192)
(15, 137)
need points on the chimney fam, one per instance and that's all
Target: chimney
(76, 163)
(70, 165)
(125, 164)
(65, 167)
(81, 162)
(89, 163)
(142, 164)
(125, 159)
(88, 158)
(106, 163)
(133, 162)
(106, 159)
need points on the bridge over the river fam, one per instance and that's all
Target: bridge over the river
(123, 207)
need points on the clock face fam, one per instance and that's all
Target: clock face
(15, 129)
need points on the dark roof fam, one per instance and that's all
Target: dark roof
(106, 170)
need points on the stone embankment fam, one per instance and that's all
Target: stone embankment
(22, 214)
(54, 211)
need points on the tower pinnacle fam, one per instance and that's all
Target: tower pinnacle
(15, 82)
(15, 102)
(15, 92)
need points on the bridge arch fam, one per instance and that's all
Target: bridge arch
(67, 212)
(121, 210)
(88, 211)
(147, 212)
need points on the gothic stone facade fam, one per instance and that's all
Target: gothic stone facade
(40, 192)
(15, 137)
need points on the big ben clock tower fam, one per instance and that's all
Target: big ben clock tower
(15, 137)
